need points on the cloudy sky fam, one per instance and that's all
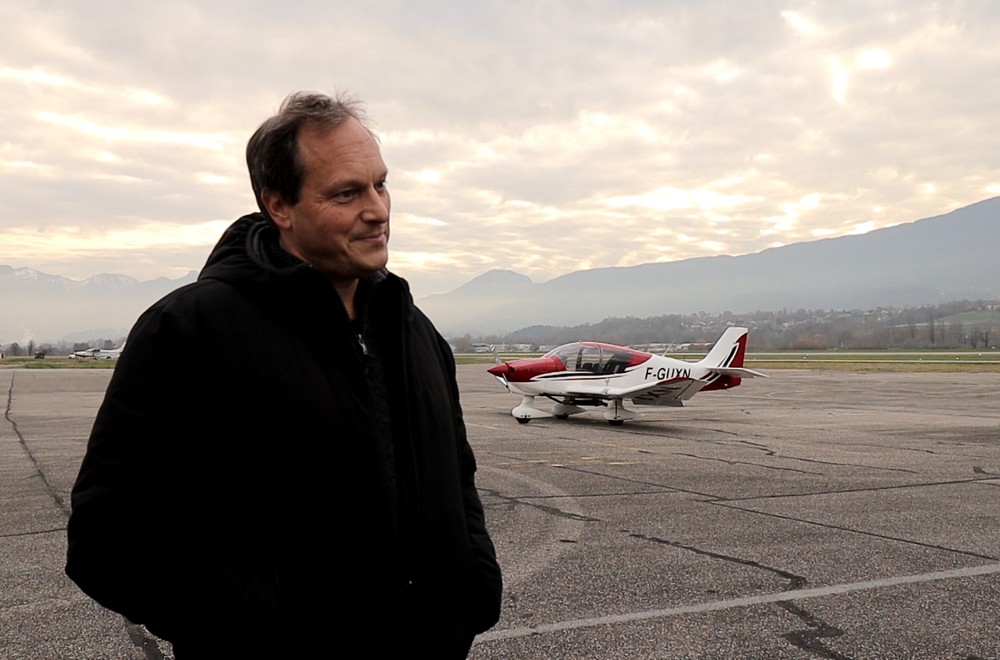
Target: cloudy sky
(544, 137)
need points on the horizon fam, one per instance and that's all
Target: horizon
(504, 268)
(566, 140)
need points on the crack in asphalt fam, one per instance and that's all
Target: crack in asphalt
(987, 480)
(513, 502)
(794, 581)
(841, 491)
(756, 445)
(141, 639)
(750, 463)
(767, 451)
(137, 634)
(809, 639)
(37, 532)
(838, 464)
(884, 537)
(49, 488)
(660, 487)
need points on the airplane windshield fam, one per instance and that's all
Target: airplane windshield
(591, 358)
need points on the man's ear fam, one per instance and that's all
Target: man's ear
(276, 207)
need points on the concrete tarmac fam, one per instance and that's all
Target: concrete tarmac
(815, 514)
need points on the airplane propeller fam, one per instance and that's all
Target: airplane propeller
(502, 376)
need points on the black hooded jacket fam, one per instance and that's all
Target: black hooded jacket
(252, 486)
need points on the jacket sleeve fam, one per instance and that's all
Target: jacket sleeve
(129, 545)
(488, 579)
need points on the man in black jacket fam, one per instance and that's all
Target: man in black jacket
(305, 484)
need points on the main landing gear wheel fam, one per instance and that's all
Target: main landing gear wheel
(562, 416)
(523, 420)
(616, 422)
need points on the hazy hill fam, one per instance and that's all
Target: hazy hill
(48, 308)
(947, 257)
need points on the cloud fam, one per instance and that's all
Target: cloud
(542, 137)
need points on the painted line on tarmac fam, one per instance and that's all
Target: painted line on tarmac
(784, 596)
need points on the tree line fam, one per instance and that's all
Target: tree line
(963, 324)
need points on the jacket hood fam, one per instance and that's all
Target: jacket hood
(248, 254)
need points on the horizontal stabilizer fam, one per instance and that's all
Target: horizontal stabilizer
(738, 372)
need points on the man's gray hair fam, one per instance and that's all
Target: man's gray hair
(273, 157)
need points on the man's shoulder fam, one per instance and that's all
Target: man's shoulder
(204, 290)
(191, 306)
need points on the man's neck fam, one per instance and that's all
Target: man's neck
(346, 291)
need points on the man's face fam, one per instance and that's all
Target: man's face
(340, 225)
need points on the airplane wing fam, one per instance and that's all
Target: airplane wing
(676, 391)
(669, 393)
(672, 392)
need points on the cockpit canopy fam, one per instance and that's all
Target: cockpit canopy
(597, 358)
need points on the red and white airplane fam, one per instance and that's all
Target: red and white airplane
(589, 373)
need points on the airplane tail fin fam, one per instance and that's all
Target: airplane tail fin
(726, 356)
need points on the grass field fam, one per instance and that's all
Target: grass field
(879, 360)
(55, 362)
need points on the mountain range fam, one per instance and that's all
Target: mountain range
(940, 259)
(35, 306)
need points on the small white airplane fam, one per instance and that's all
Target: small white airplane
(591, 373)
(99, 353)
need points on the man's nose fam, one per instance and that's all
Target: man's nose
(376, 205)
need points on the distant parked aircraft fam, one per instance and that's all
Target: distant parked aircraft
(99, 353)
(590, 373)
